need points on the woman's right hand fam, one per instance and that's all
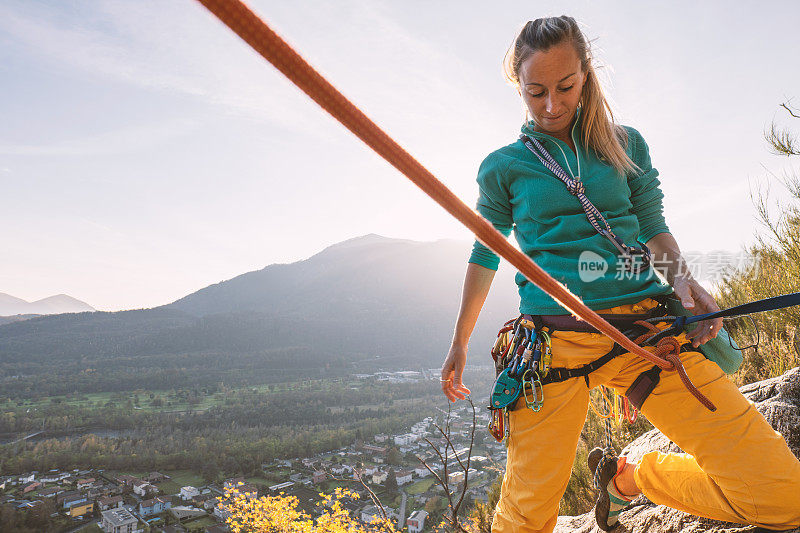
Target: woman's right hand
(452, 371)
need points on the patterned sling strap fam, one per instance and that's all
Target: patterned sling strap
(597, 220)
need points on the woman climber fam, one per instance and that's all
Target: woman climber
(736, 467)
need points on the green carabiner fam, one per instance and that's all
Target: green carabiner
(534, 405)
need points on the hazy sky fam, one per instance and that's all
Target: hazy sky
(147, 152)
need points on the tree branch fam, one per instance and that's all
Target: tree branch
(786, 107)
(372, 496)
(469, 458)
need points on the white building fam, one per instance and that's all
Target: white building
(458, 477)
(281, 486)
(404, 477)
(119, 520)
(405, 440)
(371, 513)
(188, 492)
(419, 428)
(52, 477)
(341, 469)
(142, 487)
(183, 512)
(421, 471)
(416, 522)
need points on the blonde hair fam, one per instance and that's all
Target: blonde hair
(598, 129)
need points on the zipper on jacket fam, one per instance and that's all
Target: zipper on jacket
(544, 136)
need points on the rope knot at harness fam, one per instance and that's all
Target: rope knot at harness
(668, 350)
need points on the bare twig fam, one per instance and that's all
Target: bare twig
(787, 108)
(435, 448)
(372, 496)
(450, 444)
(444, 480)
(469, 458)
(426, 465)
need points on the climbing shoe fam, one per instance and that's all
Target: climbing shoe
(610, 501)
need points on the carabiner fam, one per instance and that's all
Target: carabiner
(547, 353)
(497, 427)
(537, 356)
(538, 396)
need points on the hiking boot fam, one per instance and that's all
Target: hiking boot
(610, 501)
(594, 459)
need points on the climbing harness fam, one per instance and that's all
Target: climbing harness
(633, 259)
(522, 355)
(642, 330)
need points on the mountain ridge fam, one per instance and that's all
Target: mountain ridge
(51, 305)
(370, 298)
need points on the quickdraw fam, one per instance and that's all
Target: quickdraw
(523, 355)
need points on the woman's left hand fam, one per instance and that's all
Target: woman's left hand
(697, 300)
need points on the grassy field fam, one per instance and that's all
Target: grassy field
(180, 478)
(203, 521)
(258, 480)
(420, 486)
(102, 398)
(88, 400)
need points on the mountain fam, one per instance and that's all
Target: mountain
(369, 277)
(52, 305)
(370, 301)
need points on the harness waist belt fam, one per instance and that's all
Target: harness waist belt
(571, 323)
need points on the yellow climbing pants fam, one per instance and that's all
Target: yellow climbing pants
(736, 467)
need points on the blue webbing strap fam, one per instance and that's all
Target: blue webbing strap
(759, 306)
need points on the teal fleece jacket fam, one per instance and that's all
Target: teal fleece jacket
(517, 192)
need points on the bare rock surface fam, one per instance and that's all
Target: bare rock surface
(778, 399)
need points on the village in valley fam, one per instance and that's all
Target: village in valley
(391, 467)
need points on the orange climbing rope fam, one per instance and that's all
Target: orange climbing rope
(237, 16)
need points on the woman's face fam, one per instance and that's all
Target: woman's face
(550, 85)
